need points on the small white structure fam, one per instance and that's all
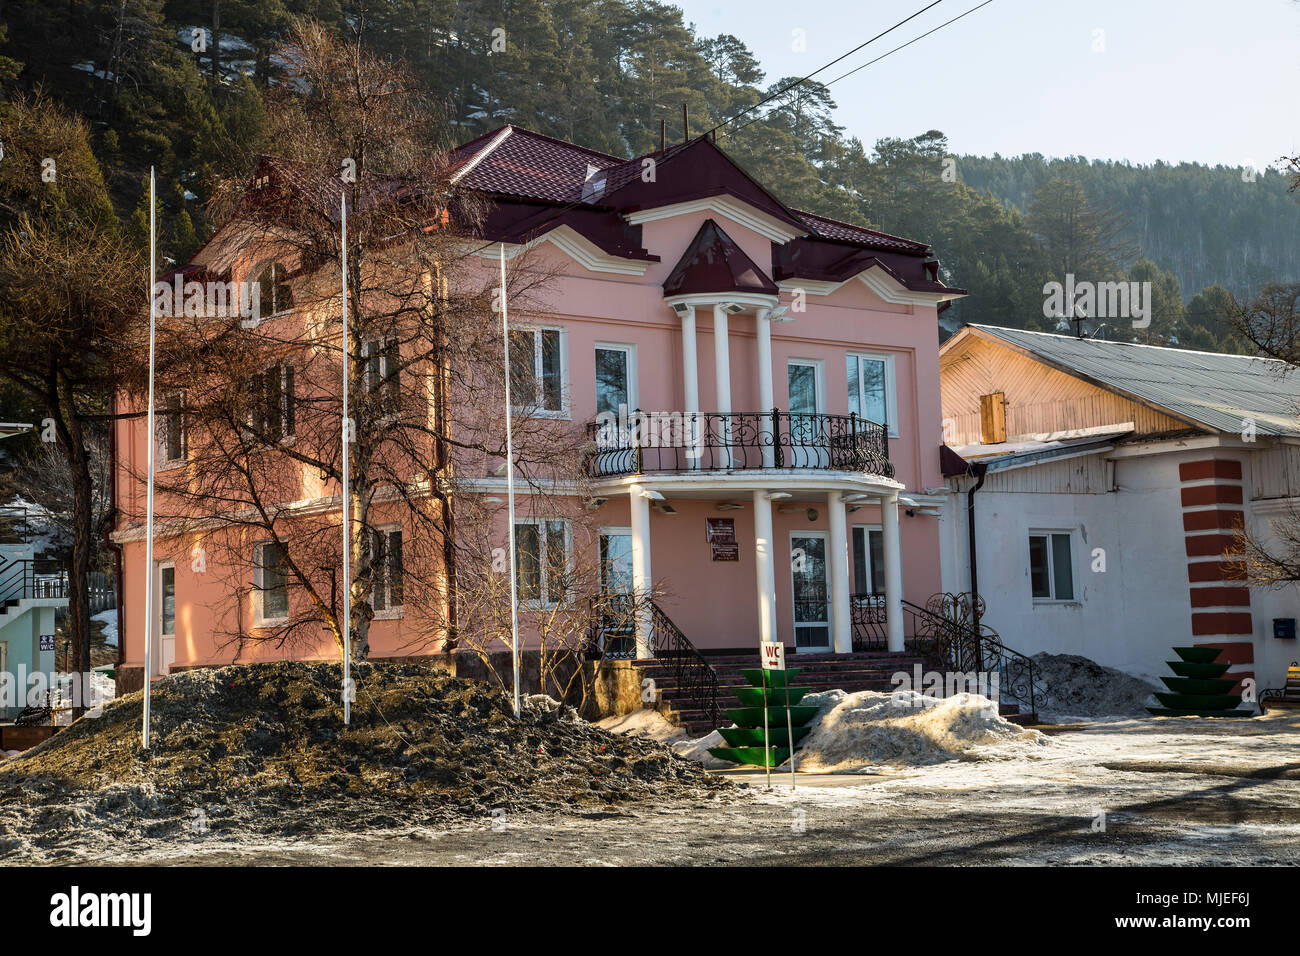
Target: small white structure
(1103, 484)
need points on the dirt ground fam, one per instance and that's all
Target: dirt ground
(1175, 791)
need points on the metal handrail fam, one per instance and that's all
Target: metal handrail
(948, 629)
(22, 578)
(727, 441)
(613, 635)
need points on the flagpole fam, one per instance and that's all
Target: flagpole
(347, 497)
(152, 439)
(510, 487)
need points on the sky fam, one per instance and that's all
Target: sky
(1210, 81)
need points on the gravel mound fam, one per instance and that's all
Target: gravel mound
(1077, 686)
(260, 749)
(906, 729)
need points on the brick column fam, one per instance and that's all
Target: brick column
(1212, 498)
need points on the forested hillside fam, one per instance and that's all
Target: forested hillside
(603, 73)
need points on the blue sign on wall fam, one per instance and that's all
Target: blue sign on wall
(47, 642)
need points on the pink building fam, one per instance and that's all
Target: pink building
(785, 477)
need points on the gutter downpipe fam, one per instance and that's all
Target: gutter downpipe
(980, 470)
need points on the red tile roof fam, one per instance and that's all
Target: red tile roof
(529, 165)
(714, 263)
(847, 232)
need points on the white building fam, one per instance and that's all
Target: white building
(1105, 482)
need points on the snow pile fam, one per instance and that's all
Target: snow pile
(905, 729)
(1080, 687)
(644, 723)
(109, 620)
(102, 690)
(699, 750)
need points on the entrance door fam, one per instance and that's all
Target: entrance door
(166, 617)
(618, 626)
(812, 629)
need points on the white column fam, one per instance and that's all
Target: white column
(722, 374)
(642, 581)
(763, 325)
(721, 358)
(889, 540)
(838, 562)
(765, 566)
(690, 363)
(690, 387)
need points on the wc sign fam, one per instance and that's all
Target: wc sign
(773, 654)
(47, 642)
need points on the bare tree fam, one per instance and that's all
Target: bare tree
(68, 288)
(252, 407)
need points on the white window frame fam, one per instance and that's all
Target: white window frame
(824, 535)
(535, 407)
(390, 611)
(819, 370)
(866, 547)
(257, 278)
(608, 531)
(162, 566)
(259, 618)
(546, 601)
(891, 386)
(633, 395)
(165, 461)
(1051, 566)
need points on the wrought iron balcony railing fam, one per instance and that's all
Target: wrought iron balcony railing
(642, 442)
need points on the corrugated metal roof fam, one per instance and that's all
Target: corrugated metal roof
(1217, 390)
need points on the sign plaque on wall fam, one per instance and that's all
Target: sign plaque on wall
(722, 539)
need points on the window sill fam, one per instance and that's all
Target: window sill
(1051, 602)
(170, 465)
(390, 614)
(272, 622)
(542, 413)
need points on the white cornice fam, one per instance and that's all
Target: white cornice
(769, 227)
(878, 281)
(704, 300)
(577, 247)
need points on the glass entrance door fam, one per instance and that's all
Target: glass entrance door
(812, 631)
(618, 626)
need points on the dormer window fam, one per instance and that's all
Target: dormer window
(593, 186)
(275, 294)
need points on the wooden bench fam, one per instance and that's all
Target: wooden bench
(1284, 697)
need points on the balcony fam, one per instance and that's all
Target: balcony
(664, 442)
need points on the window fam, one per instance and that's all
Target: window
(805, 387)
(271, 584)
(167, 600)
(871, 389)
(274, 294)
(542, 561)
(271, 405)
(615, 371)
(868, 561)
(1051, 566)
(537, 369)
(171, 430)
(382, 358)
(386, 565)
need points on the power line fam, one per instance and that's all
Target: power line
(870, 62)
(827, 66)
